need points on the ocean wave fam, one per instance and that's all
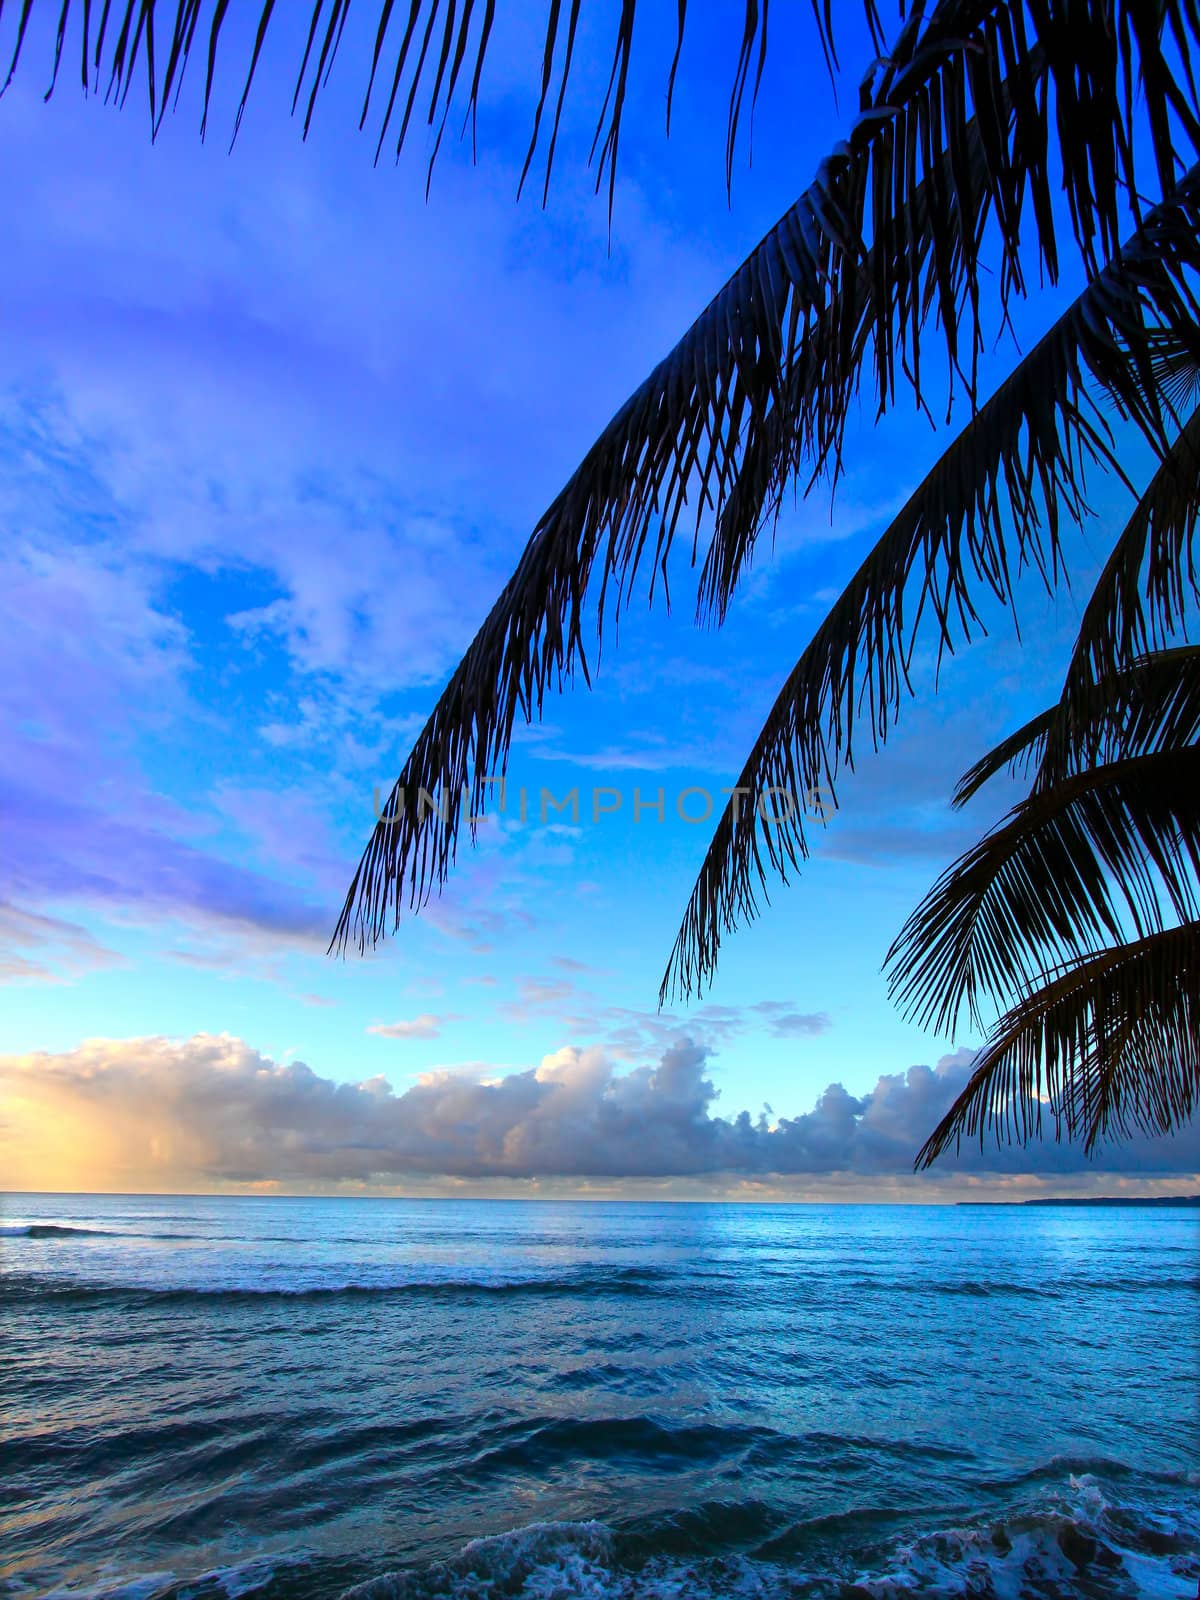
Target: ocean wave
(1078, 1539)
(619, 1281)
(231, 1582)
(936, 1288)
(1068, 1286)
(53, 1230)
(524, 1447)
(1082, 1543)
(59, 1230)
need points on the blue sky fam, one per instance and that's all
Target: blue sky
(273, 430)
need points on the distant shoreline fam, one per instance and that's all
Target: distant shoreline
(1096, 1200)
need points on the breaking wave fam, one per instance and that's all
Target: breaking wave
(1079, 1543)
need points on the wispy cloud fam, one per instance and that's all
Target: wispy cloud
(426, 1026)
(37, 949)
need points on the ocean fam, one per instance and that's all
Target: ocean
(207, 1399)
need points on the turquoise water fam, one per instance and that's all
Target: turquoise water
(224, 1397)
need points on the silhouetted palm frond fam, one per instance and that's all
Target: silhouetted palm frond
(992, 504)
(1110, 1045)
(801, 434)
(1153, 705)
(1015, 754)
(1140, 599)
(903, 195)
(1064, 876)
(425, 54)
(1066, 904)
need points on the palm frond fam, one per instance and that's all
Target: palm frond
(1054, 882)
(1176, 376)
(441, 45)
(709, 406)
(424, 58)
(1015, 754)
(1113, 696)
(1153, 705)
(1109, 1046)
(1140, 599)
(798, 434)
(991, 505)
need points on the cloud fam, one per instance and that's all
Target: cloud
(132, 865)
(426, 1026)
(557, 997)
(28, 941)
(801, 1024)
(630, 1032)
(91, 665)
(233, 489)
(785, 1022)
(212, 1109)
